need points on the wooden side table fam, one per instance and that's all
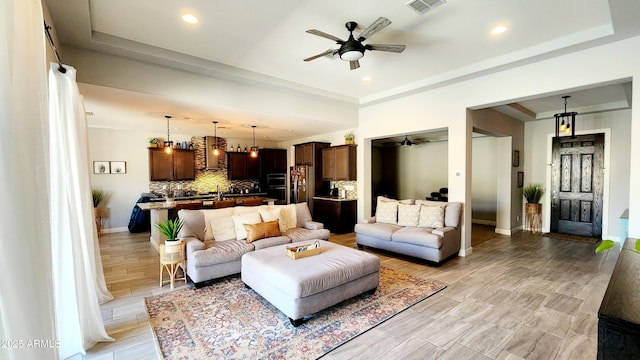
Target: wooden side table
(171, 259)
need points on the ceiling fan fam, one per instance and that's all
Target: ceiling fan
(407, 142)
(353, 49)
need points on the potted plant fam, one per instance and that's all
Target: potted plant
(98, 195)
(533, 193)
(170, 229)
(349, 137)
(170, 196)
(153, 142)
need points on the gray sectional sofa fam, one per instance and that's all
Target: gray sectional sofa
(215, 239)
(428, 230)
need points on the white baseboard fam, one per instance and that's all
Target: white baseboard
(114, 230)
(483, 222)
(465, 252)
(504, 231)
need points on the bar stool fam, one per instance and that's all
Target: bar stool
(172, 258)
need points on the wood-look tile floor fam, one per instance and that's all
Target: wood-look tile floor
(516, 297)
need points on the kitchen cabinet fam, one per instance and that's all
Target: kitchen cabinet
(179, 165)
(337, 215)
(339, 163)
(310, 153)
(273, 161)
(241, 166)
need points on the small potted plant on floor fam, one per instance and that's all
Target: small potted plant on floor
(533, 193)
(98, 195)
(170, 229)
(349, 138)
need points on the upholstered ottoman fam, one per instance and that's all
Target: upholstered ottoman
(304, 286)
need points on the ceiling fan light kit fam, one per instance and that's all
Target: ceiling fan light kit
(353, 49)
(406, 141)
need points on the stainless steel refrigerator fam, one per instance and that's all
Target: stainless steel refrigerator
(302, 185)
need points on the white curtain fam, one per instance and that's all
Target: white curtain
(26, 295)
(78, 278)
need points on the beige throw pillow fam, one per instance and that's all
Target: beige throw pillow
(223, 228)
(431, 216)
(240, 220)
(408, 215)
(271, 214)
(387, 212)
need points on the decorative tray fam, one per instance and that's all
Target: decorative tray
(304, 250)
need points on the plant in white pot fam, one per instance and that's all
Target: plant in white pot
(170, 196)
(533, 193)
(170, 229)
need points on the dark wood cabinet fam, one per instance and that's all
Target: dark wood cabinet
(241, 166)
(339, 216)
(339, 163)
(310, 153)
(273, 161)
(179, 165)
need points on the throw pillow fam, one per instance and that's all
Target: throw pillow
(240, 220)
(431, 216)
(270, 214)
(262, 230)
(288, 216)
(223, 228)
(408, 215)
(387, 212)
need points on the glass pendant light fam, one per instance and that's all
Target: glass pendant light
(216, 151)
(168, 144)
(254, 148)
(566, 121)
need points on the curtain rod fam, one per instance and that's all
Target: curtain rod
(53, 47)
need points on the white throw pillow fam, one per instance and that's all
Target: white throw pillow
(288, 214)
(274, 213)
(240, 220)
(431, 216)
(387, 212)
(408, 215)
(223, 228)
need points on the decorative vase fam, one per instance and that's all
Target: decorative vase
(533, 208)
(170, 200)
(172, 246)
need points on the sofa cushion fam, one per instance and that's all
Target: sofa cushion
(380, 231)
(210, 214)
(300, 234)
(194, 225)
(274, 213)
(220, 252)
(451, 212)
(223, 228)
(387, 212)
(262, 230)
(302, 214)
(288, 216)
(417, 236)
(431, 216)
(270, 241)
(408, 215)
(240, 220)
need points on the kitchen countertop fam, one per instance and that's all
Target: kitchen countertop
(162, 204)
(333, 198)
(210, 196)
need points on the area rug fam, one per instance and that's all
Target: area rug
(577, 238)
(226, 320)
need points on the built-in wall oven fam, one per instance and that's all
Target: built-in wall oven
(277, 187)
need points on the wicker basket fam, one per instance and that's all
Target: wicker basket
(304, 250)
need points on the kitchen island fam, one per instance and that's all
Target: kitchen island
(160, 209)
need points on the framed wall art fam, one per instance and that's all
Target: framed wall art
(100, 167)
(118, 167)
(520, 179)
(516, 158)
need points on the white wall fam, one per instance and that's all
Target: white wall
(422, 169)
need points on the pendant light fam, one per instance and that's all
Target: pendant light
(566, 121)
(216, 151)
(254, 148)
(168, 145)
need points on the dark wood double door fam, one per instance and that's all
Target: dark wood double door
(577, 183)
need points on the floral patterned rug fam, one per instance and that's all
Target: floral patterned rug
(226, 320)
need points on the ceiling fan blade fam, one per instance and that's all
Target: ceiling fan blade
(377, 25)
(354, 64)
(325, 35)
(328, 52)
(386, 47)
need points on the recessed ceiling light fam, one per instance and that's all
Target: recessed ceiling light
(498, 30)
(367, 78)
(190, 18)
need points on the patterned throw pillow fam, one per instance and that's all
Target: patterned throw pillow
(387, 212)
(431, 216)
(408, 215)
(262, 230)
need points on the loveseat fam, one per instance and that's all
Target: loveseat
(424, 229)
(216, 239)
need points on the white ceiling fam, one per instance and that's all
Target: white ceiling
(266, 41)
